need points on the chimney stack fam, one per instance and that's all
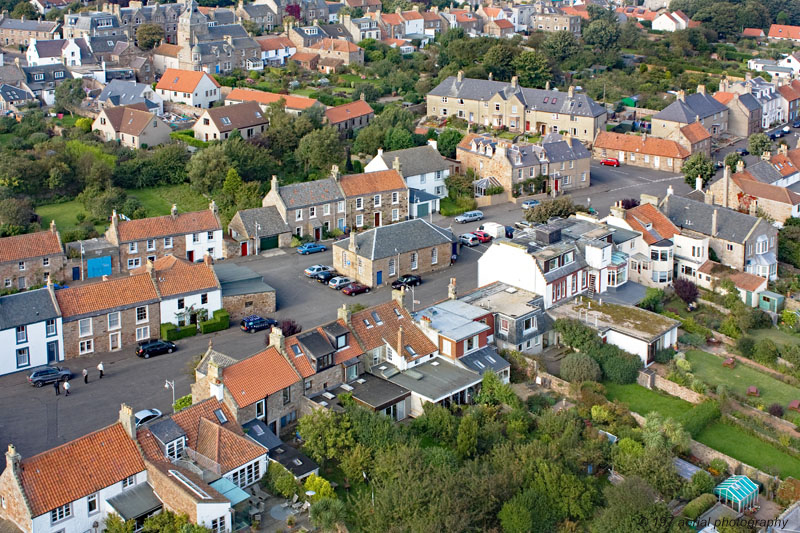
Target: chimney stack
(12, 459)
(127, 420)
(726, 183)
(452, 293)
(460, 75)
(214, 381)
(547, 86)
(709, 197)
(618, 211)
(783, 149)
(698, 183)
(681, 95)
(571, 91)
(491, 76)
(213, 207)
(514, 81)
(174, 210)
(714, 223)
(766, 156)
(753, 207)
(273, 184)
(740, 166)
(400, 341)
(396, 165)
(701, 89)
(277, 339)
(399, 296)
(335, 174)
(343, 313)
(52, 226)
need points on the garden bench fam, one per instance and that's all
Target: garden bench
(753, 391)
(794, 405)
(730, 362)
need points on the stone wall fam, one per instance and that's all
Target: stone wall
(673, 389)
(557, 384)
(15, 508)
(34, 271)
(100, 333)
(243, 305)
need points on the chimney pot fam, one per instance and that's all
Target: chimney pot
(174, 210)
(127, 420)
(277, 339)
(452, 292)
(698, 183)
(12, 459)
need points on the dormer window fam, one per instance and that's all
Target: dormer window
(175, 448)
(341, 341)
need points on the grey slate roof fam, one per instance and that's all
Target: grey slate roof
(236, 279)
(542, 100)
(120, 92)
(100, 44)
(750, 102)
(402, 237)
(434, 379)
(269, 222)
(765, 172)
(307, 193)
(135, 502)
(220, 359)
(418, 196)
(687, 111)
(48, 71)
(9, 93)
(234, 30)
(690, 214)
(453, 319)
(25, 308)
(258, 431)
(88, 20)
(166, 430)
(27, 25)
(222, 16)
(335, 31)
(258, 10)
(484, 360)
(416, 161)
(565, 151)
(371, 390)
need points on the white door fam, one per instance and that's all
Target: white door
(621, 156)
(113, 341)
(656, 161)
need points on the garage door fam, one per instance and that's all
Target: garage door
(423, 210)
(267, 243)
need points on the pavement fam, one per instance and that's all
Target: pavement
(35, 420)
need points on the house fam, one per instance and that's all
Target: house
(562, 160)
(42, 81)
(349, 53)
(497, 104)
(753, 33)
(185, 235)
(196, 89)
(45, 6)
(20, 32)
(132, 15)
(711, 274)
(371, 392)
(672, 21)
(790, 100)
(549, 18)
(259, 14)
(165, 56)
(373, 199)
(122, 93)
(781, 169)
(633, 329)
(13, 98)
(367, 6)
(764, 92)
(92, 470)
(392, 25)
(641, 150)
(243, 291)
(30, 322)
(744, 113)
(274, 50)
(31, 258)
(425, 172)
(90, 24)
(463, 18)
(218, 123)
(500, 28)
(686, 109)
(380, 255)
(361, 28)
(782, 32)
(790, 61)
(741, 241)
(350, 117)
(259, 229)
(70, 52)
(743, 192)
(310, 207)
(306, 60)
(404, 45)
(132, 125)
(433, 24)
(294, 105)
(123, 54)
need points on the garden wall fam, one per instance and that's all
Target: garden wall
(673, 389)
(557, 384)
(493, 199)
(715, 306)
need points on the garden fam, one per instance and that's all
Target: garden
(643, 400)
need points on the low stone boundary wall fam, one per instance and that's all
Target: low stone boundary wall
(673, 389)
(492, 199)
(557, 384)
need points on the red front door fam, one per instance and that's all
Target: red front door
(555, 184)
(377, 219)
(527, 125)
(244, 249)
(317, 234)
(190, 256)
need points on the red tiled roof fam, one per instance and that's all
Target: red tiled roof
(392, 19)
(491, 11)
(304, 56)
(780, 31)
(189, 419)
(102, 295)
(372, 182)
(29, 245)
(353, 349)
(430, 16)
(789, 92)
(503, 24)
(228, 449)
(258, 376)
(170, 50)
(707, 267)
(465, 17)
(643, 215)
(411, 15)
(695, 132)
(164, 226)
(756, 189)
(301, 362)
(783, 164)
(396, 42)
(747, 281)
(338, 45)
(723, 97)
(78, 468)
(373, 336)
(695, 24)
(177, 276)
(184, 81)
(274, 43)
(640, 144)
(340, 113)
(579, 11)
(752, 32)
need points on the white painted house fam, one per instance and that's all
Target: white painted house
(670, 22)
(70, 52)
(193, 88)
(30, 329)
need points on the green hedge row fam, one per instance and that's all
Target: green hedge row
(699, 505)
(171, 332)
(188, 138)
(698, 417)
(220, 321)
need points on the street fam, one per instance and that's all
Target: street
(35, 420)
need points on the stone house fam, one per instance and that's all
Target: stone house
(132, 125)
(373, 199)
(380, 255)
(744, 112)
(698, 107)
(392, 25)
(641, 150)
(349, 53)
(259, 14)
(126, 55)
(463, 18)
(90, 24)
(790, 100)
(310, 207)
(500, 28)
(107, 315)
(244, 291)
(119, 93)
(196, 89)
(350, 117)
(21, 32)
(30, 328)
(32, 259)
(42, 81)
(259, 229)
(743, 192)
(433, 23)
(367, 6)
(163, 15)
(13, 98)
(275, 50)
(184, 235)
(500, 105)
(550, 19)
(219, 122)
(306, 60)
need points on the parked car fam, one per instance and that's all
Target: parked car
(742, 151)
(354, 288)
(523, 224)
(610, 162)
(310, 248)
(786, 129)
(48, 374)
(146, 415)
(469, 216)
(469, 239)
(340, 282)
(325, 276)
(796, 124)
(313, 270)
(530, 204)
(509, 232)
(150, 348)
(719, 164)
(775, 135)
(406, 281)
(482, 236)
(254, 323)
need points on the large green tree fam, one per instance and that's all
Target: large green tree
(556, 207)
(758, 143)
(69, 94)
(698, 165)
(448, 141)
(326, 434)
(499, 61)
(533, 69)
(560, 46)
(320, 149)
(601, 34)
(149, 35)
(631, 507)
(208, 168)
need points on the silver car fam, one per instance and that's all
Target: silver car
(469, 239)
(340, 282)
(469, 216)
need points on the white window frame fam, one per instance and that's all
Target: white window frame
(395, 215)
(89, 499)
(61, 513)
(434, 255)
(82, 332)
(146, 314)
(359, 221)
(312, 212)
(118, 315)
(167, 242)
(376, 200)
(395, 197)
(142, 333)
(359, 203)
(86, 346)
(340, 206)
(133, 247)
(414, 261)
(298, 215)
(134, 262)
(151, 245)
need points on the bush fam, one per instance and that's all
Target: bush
(698, 506)
(765, 352)
(701, 483)
(653, 300)
(320, 486)
(692, 339)
(684, 365)
(622, 368)
(665, 356)
(519, 366)
(698, 417)
(730, 328)
(182, 403)
(776, 409)
(220, 321)
(578, 367)
(745, 345)
(171, 332)
(720, 466)
(280, 481)
(685, 290)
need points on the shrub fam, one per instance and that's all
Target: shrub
(281, 481)
(730, 328)
(171, 332)
(692, 339)
(684, 365)
(701, 483)
(720, 466)
(220, 321)
(580, 367)
(698, 386)
(698, 417)
(776, 409)
(665, 356)
(745, 345)
(182, 403)
(622, 368)
(685, 290)
(519, 366)
(765, 352)
(653, 300)
(290, 327)
(788, 491)
(320, 486)
(699, 505)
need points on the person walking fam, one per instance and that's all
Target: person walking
(85, 376)
(67, 386)
(100, 367)
(57, 387)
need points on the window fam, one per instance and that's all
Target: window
(151, 245)
(414, 259)
(529, 323)
(45, 261)
(395, 215)
(23, 357)
(136, 262)
(340, 207)
(298, 215)
(141, 314)
(132, 247)
(359, 203)
(181, 303)
(61, 513)
(326, 209)
(22, 334)
(392, 268)
(22, 265)
(434, 256)
(85, 327)
(312, 212)
(470, 344)
(143, 333)
(50, 327)
(195, 237)
(360, 267)
(113, 320)
(86, 346)
(376, 200)
(91, 501)
(359, 220)
(245, 476)
(729, 247)
(204, 298)
(129, 481)
(175, 448)
(395, 197)
(167, 242)
(7, 282)
(287, 395)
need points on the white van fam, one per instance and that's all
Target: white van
(497, 231)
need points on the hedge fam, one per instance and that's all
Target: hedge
(220, 321)
(698, 417)
(699, 505)
(182, 403)
(171, 332)
(188, 138)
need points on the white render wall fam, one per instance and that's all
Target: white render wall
(201, 247)
(169, 307)
(628, 343)
(513, 265)
(36, 344)
(198, 98)
(206, 512)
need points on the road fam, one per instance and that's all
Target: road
(35, 420)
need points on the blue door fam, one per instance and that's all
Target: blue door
(380, 277)
(76, 273)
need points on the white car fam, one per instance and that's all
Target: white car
(469, 239)
(340, 282)
(146, 415)
(313, 270)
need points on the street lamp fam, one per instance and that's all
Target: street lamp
(171, 385)
(397, 266)
(258, 227)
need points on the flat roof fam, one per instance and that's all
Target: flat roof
(453, 319)
(484, 360)
(368, 390)
(258, 431)
(235, 280)
(135, 502)
(434, 379)
(294, 461)
(504, 299)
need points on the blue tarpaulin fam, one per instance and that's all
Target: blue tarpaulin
(98, 266)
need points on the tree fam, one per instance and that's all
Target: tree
(532, 69)
(579, 367)
(758, 143)
(448, 141)
(527, 512)
(653, 300)
(701, 483)
(169, 522)
(398, 138)
(84, 124)
(665, 433)
(732, 160)
(356, 461)
(69, 94)
(24, 9)
(149, 35)
(561, 45)
(328, 513)
(765, 352)
(326, 434)
(467, 439)
(320, 486)
(686, 290)
(16, 212)
(230, 188)
(629, 203)
(320, 149)
(698, 165)
(556, 207)
(499, 61)
(631, 507)
(602, 34)
(369, 90)
(116, 524)
(208, 168)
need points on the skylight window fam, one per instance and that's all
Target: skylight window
(297, 351)
(226, 121)
(377, 319)
(554, 100)
(410, 350)
(220, 416)
(546, 98)
(367, 323)
(398, 313)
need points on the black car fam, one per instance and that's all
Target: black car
(406, 281)
(325, 276)
(254, 323)
(147, 349)
(509, 231)
(48, 374)
(742, 151)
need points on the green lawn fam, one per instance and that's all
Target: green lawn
(5, 138)
(64, 215)
(775, 335)
(643, 401)
(68, 121)
(748, 449)
(305, 92)
(709, 368)
(355, 78)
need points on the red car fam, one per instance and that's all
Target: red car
(355, 288)
(610, 162)
(482, 236)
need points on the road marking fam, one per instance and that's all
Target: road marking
(640, 184)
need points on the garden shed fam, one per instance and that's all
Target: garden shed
(739, 492)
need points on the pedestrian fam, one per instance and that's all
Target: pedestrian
(58, 389)
(67, 386)
(85, 376)
(100, 367)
